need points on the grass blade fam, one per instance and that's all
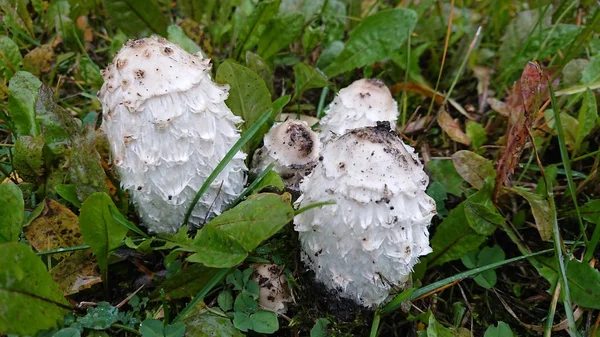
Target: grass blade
(202, 293)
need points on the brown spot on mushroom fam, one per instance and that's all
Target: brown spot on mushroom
(376, 82)
(167, 51)
(121, 63)
(301, 139)
(147, 53)
(124, 84)
(408, 250)
(139, 73)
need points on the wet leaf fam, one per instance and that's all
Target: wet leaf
(261, 68)
(376, 37)
(136, 16)
(75, 273)
(588, 117)
(67, 332)
(69, 193)
(217, 249)
(540, 208)
(99, 318)
(452, 128)
(39, 60)
(58, 124)
(12, 212)
(30, 299)
(271, 179)
(255, 25)
(10, 57)
(284, 29)
(264, 322)
(178, 36)
(308, 77)
(204, 324)
(22, 95)
(85, 169)
(483, 217)
(473, 168)
(444, 172)
(502, 330)
(100, 230)
(28, 158)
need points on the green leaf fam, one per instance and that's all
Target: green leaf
(584, 284)
(320, 328)
(308, 77)
(215, 248)
(248, 95)
(255, 219)
(186, 282)
(10, 57)
(99, 229)
(135, 16)
(437, 191)
(152, 328)
(90, 72)
(67, 332)
(284, 29)
(444, 172)
(483, 217)
(22, 95)
(540, 208)
(205, 324)
(69, 193)
(242, 321)
(198, 10)
(435, 329)
(330, 53)
(12, 212)
(502, 330)
(264, 321)
(85, 170)
(588, 117)
(28, 158)
(590, 211)
(59, 125)
(177, 35)
(255, 25)
(375, 38)
(175, 330)
(244, 302)
(591, 73)
(100, 317)
(261, 68)
(476, 132)
(487, 256)
(225, 300)
(31, 300)
(473, 168)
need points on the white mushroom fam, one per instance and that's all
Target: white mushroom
(294, 148)
(274, 294)
(168, 128)
(363, 103)
(369, 241)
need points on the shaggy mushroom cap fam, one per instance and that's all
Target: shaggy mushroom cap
(274, 294)
(363, 103)
(371, 238)
(168, 128)
(294, 148)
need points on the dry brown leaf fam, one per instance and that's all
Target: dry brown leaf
(77, 272)
(39, 60)
(451, 127)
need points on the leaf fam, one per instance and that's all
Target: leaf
(308, 77)
(584, 284)
(264, 322)
(255, 219)
(444, 172)
(487, 256)
(438, 192)
(175, 330)
(135, 16)
(320, 328)
(67, 332)
(225, 300)
(518, 30)
(56, 227)
(242, 321)
(22, 95)
(16, 15)
(89, 72)
(590, 211)
(452, 128)
(476, 133)
(69, 193)
(215, 248)
(271, 179)
(540, 208)
(12, 212)
(502, 330)
(205, 324)
(30, 299)
(255, 25)
(284, 29)
(198, 10)
(152, 328)
(435, 329)
(375, 38)
(588, 116)
(329, 54)
(473, 168)
(100, 230)
(85, 169)
(10, 57)
(245, 303)
(483, 217)
(39, 60)
(261, 68)
(248, 95)
(186, 282)
(591, 73)
(178, 36)
(100, 317)
(75, 273)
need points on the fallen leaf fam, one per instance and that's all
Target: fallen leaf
(76, 272)
(473, 168)
(451, 127)
(540, 208)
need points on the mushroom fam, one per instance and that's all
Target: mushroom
(368, 241)
(168, 128)
(294, 148)
(362, 103)
(274, 294)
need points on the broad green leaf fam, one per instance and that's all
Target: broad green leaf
(242, 321)
(205, 324)
(255, 219)
(177, 35)
(225, 300)
(175, 330)
(217, 249)
(99, 229)
(307, 77)
(483, 217)
(588, 117)
(264, 322)
(186, 282)
(12, 212)
(10, 57)
(245, 303)
(444, 172)
(486, 256)
(248, 95)
(540, 208)
(569, 124)
(320, 328)
(22, 95)
(100, 317)
(438, 192)
(590, 211)
(261, 68)
(284, 29)
(502, 330)
(69, 193)
(584, 284)
(58, 18)
(375, 38)
(15, 14)
(271, 179)
(67, 332)
(152, 328)
(30, 299)
(255, 25)
(473, 168)
(308, 9)
(436, 329)
(89, 72)
(135, 16)
(85, 170)
(197, 10)
(28, 158)
(572, 72)
(330, 53)
(476, 132)
(591, 73)
(58, 124)
(454, 237)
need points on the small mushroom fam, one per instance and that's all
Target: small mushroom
(274, 293)
(362, 103)
(168, 128)
(294, 148)
(370, 239)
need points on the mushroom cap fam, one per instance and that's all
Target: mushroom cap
(150, 67)
(362, 103)
(293, 146)
(274, 293)
(373, 235)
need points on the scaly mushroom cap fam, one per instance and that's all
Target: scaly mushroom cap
(168, 128)
(293, 146)
(372, 237)
(363, 103)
